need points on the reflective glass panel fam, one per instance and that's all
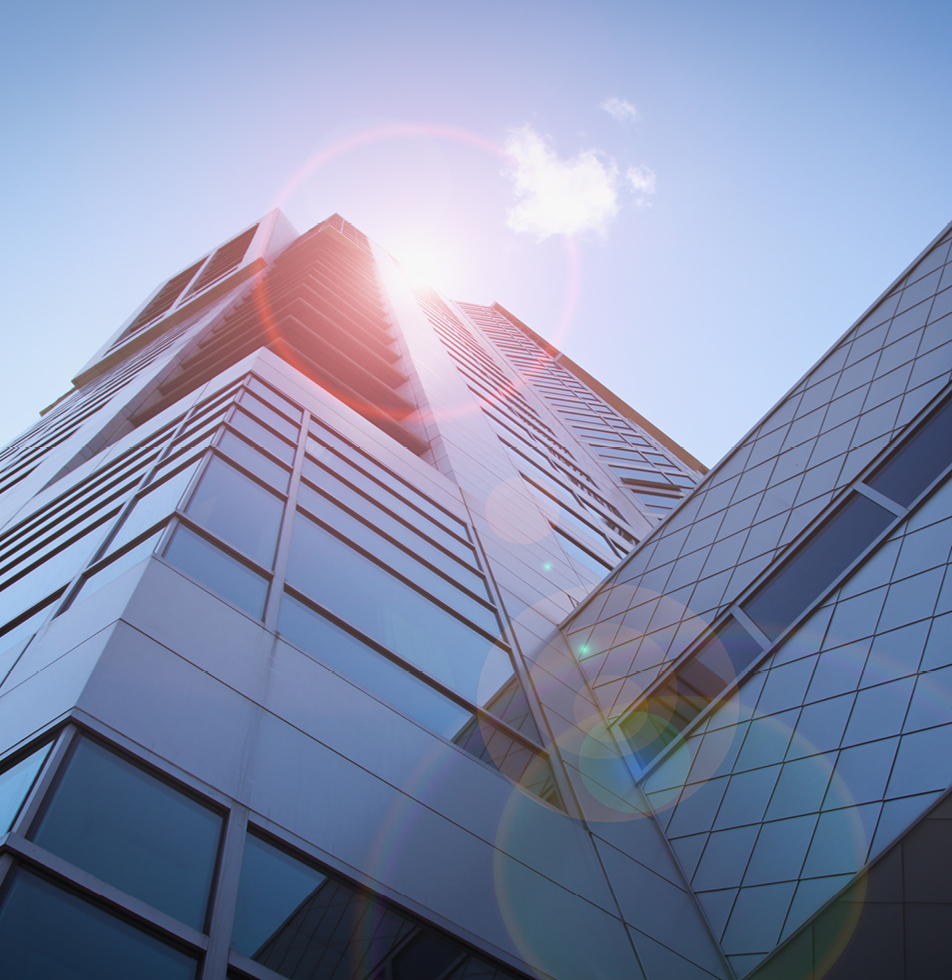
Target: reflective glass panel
(152, 507)
(273, 884)
(262, 436)
(392, 613)
(133, 831)
(49, 934)
(22, 630)
(831, 550)
(272, 397)
(246, 455)
(924, 456)
(54, 572)
(237, 510)
(345, 654)
(16, 782)
(299, 922)
(576, 551)
(117, 566)
(397, 558)
(211, 566)
(268, 415)
(412, 537)
(380, 476)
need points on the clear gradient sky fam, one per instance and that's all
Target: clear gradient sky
(762, 171)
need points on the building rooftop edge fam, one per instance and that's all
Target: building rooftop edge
(607, 394)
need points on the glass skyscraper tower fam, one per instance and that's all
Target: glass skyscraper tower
(351, 632)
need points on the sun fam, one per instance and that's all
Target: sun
(422, 264)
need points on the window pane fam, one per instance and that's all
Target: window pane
(119, 565)
(276, 400)
(322, 477)
(518, 762)
(300, 923)
(237, 510)
(398, 559)
(225, 575)
(346, 655)
(273, 884)
(826, 555)
(133, 831)
(393, 614)
(412, 537)
(50, 934)
(596, 565)
(656, 502)
(919, 462)
(331, 925)
(22, 630)
(247, 456)
(268, 415)
(261, 436)
(379, 475)
(728, 653)
(16, 782)
(54, 572)
(149, 509)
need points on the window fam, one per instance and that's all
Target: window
(392, 613)
(381, 677)
(815, 566)
(133, 831)
(47, 932)
(919, 461)
(222, 573)
(16, 782)
(597, 565)
(107, 572)
(405, 560)
(152, 507)
(224, 503)
(299, 920)
(255, 462)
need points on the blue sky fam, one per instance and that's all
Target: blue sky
(782, 164)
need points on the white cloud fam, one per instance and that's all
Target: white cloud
(642, 180)
(559, 197)
(620, 109)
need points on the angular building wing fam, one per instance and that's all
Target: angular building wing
(775, 658)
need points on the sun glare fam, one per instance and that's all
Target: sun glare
(425, 267)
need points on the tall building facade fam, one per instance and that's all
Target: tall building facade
(351, 632)
(274, 576)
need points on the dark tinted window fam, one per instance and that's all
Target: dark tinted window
(817, 564)
(913, 467)
(49, 934)
(299, 922)
(134, 831)
(273, 884)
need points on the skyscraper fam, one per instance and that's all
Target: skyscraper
(272, 572)
(351, 632)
